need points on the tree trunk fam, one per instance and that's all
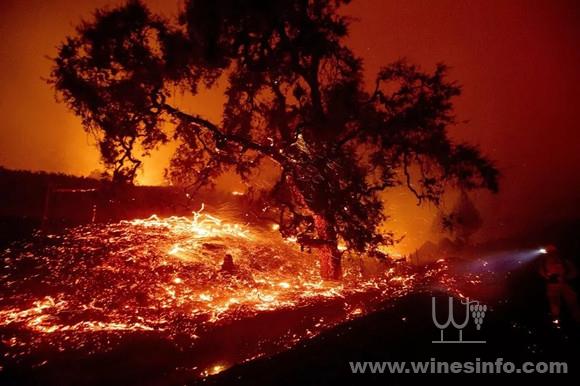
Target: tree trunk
(328, 254)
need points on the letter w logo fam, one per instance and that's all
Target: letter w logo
(451, 320)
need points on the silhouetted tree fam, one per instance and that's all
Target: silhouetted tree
(295, 96)
(462, 222)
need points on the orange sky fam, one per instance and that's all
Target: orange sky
(517, 60)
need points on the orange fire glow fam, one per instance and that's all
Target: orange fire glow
(94, 285)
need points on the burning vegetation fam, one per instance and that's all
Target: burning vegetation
(295, 101)
(94, 288)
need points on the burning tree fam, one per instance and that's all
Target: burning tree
(295, 96)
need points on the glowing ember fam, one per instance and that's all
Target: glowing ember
(216, 369)
(87, 289)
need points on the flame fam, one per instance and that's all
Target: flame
(163, 276)
(202, 225)
(215, 369)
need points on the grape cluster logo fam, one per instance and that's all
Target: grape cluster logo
(478, 313)
(473, 310)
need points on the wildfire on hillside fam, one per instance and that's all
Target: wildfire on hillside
(87, 289)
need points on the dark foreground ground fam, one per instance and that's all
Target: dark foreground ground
(404, 332)
(516, 328)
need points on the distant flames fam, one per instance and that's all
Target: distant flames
(201, 226)
(88, 288)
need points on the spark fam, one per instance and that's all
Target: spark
(162, 276)
(356, 311)
(213, 370)
(175, 250)
(205, 297)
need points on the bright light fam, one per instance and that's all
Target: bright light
(217, 369)
(175, 250)
(543, 251)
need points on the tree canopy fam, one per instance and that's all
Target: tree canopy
(295, 95)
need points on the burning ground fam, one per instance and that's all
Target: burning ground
(156, 283)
